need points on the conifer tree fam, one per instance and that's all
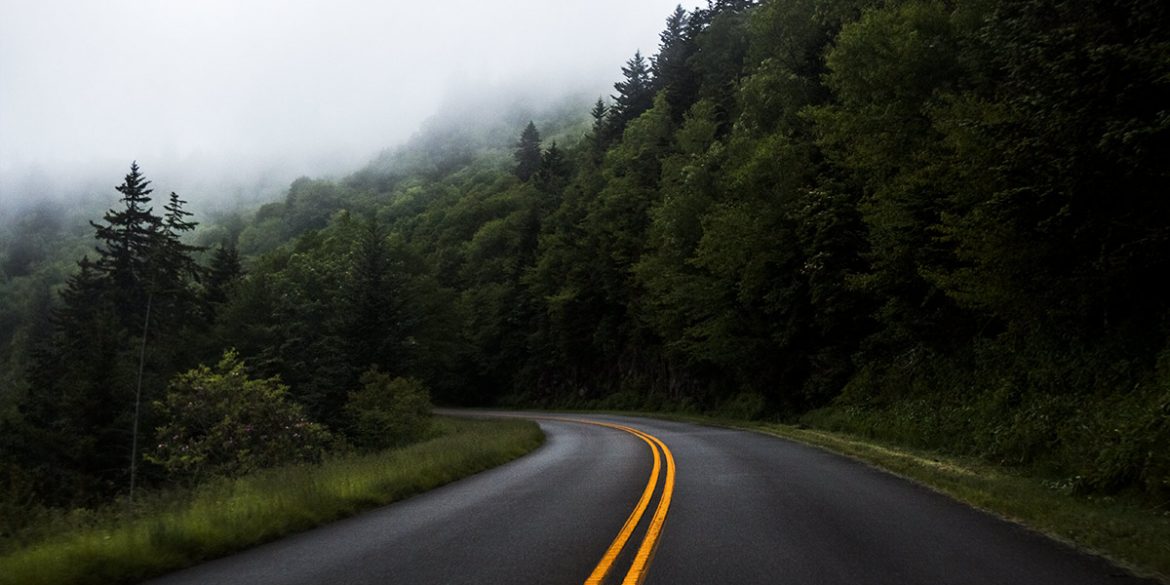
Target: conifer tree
(601, 135)
(635, 92)
(375, 322)
(670, 68)
(172, 267)
(527, 153)
(75, 414)
(554, 169)
(126, 239)
(225, 270)
(88, 377)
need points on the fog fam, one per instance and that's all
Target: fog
(231, 99)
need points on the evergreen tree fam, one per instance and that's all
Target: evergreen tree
(172, 267)
(635, 92)
(527, 153)
(554, 170)
(75, 418)
(81, 414)
(670, 68)
(224, 272)
(601, 135)
(126, 240)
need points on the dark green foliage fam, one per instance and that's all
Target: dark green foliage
(220, 422)
(128, 239)
(671, 66)
(527, 153)
(554, 170)
(635, 93)
(222, 275)
(387, 412)
(602, 132)
(369, 304)
(77, 418)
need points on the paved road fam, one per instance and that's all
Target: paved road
(745, 508)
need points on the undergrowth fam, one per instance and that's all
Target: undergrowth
(174, 529)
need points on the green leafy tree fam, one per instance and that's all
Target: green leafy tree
(387, 412)
(218, 421)
(888, 72)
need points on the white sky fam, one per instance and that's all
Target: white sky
(303, 83)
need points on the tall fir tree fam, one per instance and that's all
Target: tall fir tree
(82, 412)
(635, 92)
(75, 417)
(126, 240)
(554, 169)
(670, 67)
(225, 270)
(173, 269)
(600, 137)
(527, 152)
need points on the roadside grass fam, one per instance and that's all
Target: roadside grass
(1124, 529)
(180, 528)
(1121, 528)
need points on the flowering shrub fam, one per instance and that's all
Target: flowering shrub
(220, 422)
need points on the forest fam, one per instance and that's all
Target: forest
(943, 224)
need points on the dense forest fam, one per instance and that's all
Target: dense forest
(939, 223)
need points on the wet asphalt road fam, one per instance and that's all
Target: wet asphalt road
(746, 508)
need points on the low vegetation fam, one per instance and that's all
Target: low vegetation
(1123, 527)
(172, 529)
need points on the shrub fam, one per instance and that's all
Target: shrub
(220, 422)
(743, 406)
(386, 412)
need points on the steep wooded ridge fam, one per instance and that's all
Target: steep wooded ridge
(940, 223)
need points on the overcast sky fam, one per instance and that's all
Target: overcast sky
(304, 84)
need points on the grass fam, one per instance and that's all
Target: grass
(179, 529)
(1124, 529)
(1120, 528)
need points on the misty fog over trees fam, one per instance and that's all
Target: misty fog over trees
(943, 224)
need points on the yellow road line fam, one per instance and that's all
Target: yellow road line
(641, 565)
(615, 548)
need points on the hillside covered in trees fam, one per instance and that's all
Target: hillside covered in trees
(940, 223)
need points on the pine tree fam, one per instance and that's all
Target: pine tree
(601, 136)
(554, 169)
(89, 376)
(172, 267)
(528, 152)
(125, 243)
(74, 417)
(670, 68)
(635, 92)
(224, 272)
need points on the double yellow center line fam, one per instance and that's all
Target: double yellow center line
(641, 564)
